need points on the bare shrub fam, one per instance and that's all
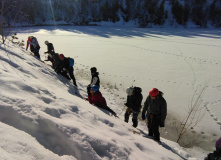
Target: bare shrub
(194, 115)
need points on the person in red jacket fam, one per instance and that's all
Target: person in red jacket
(98, 100)
(34, 46)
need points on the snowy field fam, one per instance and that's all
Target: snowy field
(41, 107)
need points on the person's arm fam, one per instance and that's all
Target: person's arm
(163, 113)
(27, 45)
(94, 81)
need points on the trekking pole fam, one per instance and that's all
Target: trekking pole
(134, 111)
(133, 83)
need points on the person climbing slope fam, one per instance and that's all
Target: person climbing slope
(155, 107)
(95, 80)
(134, 100)
(98, 100)
(34, 46)
(50, 52)
(66, 67)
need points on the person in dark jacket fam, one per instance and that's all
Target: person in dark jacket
(34, 46)
(216, 155)
(155, 107)
(56, 61)
(95, 80)
(134, 100)
(98, 100)
(50, 51)
(66, 67)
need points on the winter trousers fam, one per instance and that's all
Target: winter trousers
(37, 54)
(65, 74)
(35, 51)
(153, 126)
(134, 118)
(108, 109)
(71, 73)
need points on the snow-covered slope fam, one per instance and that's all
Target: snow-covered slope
(42, 117)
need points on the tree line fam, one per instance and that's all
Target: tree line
(85, 12)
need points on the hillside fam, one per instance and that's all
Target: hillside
(36, 100)
(42, 117)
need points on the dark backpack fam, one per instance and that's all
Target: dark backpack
(214, 156)
(137, 90)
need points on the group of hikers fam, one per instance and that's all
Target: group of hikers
(61, 64)
(155, 106)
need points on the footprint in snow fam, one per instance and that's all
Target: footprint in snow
(53, 112)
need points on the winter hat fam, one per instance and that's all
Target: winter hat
(93, 69)
(46, 42)
(129, 90)
(61, 56)
(154, 92)
(95, 88)
(30, 38)
(218, 144)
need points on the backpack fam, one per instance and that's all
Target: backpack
(71, 62)
(137, 90)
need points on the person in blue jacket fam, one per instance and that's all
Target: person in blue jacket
(65, 67)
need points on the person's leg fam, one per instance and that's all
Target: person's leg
(155, 126)
(134, 119)
(150, 127)
(71, 73)
(127, 115)
(64, 73)
(36, 54)
(110, 110)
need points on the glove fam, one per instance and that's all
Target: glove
(162, 125)
(143, 117)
